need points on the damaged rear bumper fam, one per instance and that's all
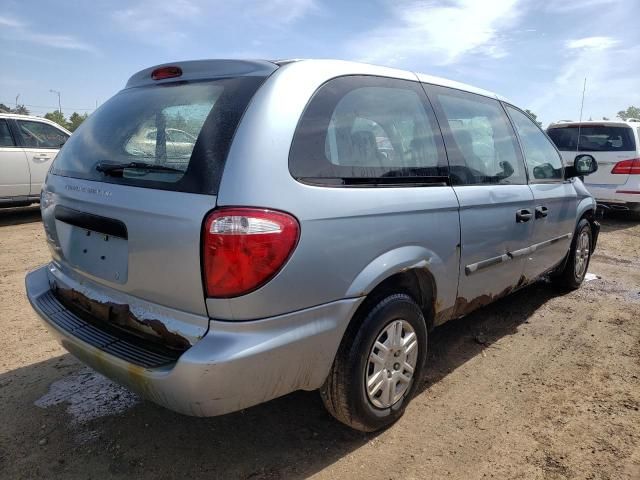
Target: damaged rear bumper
(233, 366)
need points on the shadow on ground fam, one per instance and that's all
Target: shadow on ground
(290, 437)
(458, 341)
(613, 221)
(19, 215)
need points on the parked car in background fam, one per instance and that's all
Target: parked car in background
(28, 145)
(328, 216)
(178, 142)
(616, 147)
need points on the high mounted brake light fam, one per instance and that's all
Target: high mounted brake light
(244, 248)
(166, 72)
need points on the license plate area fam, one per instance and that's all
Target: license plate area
(99, 254)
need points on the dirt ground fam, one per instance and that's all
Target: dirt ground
(536, 386)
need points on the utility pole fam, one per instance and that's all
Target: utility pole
(59, 106)
(17, 96)
(584, 89)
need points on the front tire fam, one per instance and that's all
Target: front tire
(379, 364)
(575, 268)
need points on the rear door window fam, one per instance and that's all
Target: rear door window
(369, 130)
(6, 139)
(593, 138)
(543, 160)
(41, 135)
(172, 136)
(481, 144)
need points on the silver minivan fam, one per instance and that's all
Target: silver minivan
(225, 232)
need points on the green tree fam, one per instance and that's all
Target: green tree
(75, 120)
(533, 116)
(21, 109)
(57, 117)
(631, 112)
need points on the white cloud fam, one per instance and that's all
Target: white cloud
(171, 23)
(282, 11)
(441, 32)
(67, 42)
(157, 17)
(595, 43)
(592, 39)
(10, 22)
(18, 30)
(611, 76)
(564, 6)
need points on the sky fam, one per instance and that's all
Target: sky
(535, 53)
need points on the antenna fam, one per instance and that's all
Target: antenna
(584, 88)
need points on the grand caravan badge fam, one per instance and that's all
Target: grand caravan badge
(91, 190)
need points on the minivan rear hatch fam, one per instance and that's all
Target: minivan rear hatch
(124, 203)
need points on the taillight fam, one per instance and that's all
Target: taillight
(627, 167)
(166, 72)
(244, 248)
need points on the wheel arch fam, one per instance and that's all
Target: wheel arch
(411, 269)
(587, 210)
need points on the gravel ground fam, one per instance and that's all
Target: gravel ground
(537, 386)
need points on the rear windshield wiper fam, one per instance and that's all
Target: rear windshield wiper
(116, 169)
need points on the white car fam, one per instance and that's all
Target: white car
(616, 147)
(28, 145)
(178, 143)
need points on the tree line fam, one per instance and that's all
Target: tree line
(71, 123)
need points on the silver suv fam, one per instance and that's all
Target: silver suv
(312, 223)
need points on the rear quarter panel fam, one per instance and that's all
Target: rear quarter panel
(351, 238)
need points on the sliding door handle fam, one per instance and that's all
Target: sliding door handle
(541, 211)
(523, 215)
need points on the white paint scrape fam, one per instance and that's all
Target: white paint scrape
(88, 396)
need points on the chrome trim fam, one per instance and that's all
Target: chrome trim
(546, 243)
(474, 267)
(490, 262)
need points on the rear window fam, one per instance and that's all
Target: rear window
(177, 135)
(593, 138)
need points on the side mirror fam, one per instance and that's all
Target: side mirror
(582, 165)
(585, 164)
(507, 169)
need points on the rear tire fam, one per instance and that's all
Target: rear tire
(576, 266)
(379, 364)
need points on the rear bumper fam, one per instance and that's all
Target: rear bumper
(618, 197)
(234, 366)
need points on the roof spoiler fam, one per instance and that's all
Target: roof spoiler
(204, 69)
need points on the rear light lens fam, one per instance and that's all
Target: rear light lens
(244, 248)
(627, 167)
(166, 72)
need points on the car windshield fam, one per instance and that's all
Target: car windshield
(593, 138)
(180, 131)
